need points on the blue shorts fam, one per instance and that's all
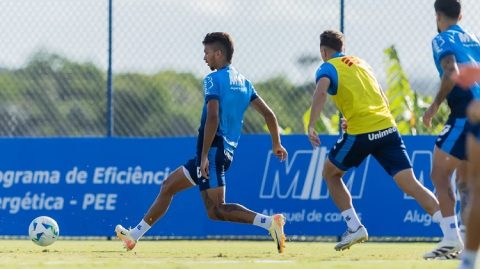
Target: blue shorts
(452, 138)
(386, 146)
(220, 161)
(475, 130)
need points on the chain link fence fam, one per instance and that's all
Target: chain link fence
(54, 61)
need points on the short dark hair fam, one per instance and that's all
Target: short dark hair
(332, 39)
(450, 8)
(224, 42)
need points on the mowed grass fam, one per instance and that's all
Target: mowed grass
(214, 254)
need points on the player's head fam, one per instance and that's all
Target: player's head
(448, 12)
(218, 49)
(331, 42)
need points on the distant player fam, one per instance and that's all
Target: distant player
(451, 46)
(228, 94)
(469, 78)
(371, 129)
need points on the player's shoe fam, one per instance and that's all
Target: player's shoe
(350, 238)
(445, 250)
(124, 235)
(276, 231)
(450, 256)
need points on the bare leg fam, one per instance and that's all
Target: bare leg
(175, 182)
(473, 220)
(217, 209)
(337, 189)
(463, 190)
(442, 170)
(407, 182)
(356, 232)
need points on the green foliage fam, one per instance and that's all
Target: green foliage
(52, 95)
(55, 96)
(406, 105)
(324, 125)
(166, 103)
(399, 93)
(285, 99)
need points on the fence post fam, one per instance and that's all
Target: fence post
(342, 15)
(342, 29)
(109, 74)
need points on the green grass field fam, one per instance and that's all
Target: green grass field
(214, 254)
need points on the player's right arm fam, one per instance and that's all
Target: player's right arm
(449, 66)
(444, 56)
(319, 99)
(271, 120)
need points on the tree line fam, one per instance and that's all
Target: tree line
(54, 96)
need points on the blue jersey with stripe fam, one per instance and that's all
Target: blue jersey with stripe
(466, 49)
(234, 93)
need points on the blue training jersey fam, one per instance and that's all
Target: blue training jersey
(466, 49)
(234, 93)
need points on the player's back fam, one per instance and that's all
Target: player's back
(234, 93)
(466, 49)
(465, 46)
(359, 96)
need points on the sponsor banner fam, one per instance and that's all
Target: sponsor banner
(91, 184)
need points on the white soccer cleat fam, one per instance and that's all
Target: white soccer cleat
(276, 231)
(350, 238)
(445, 250)
(124, 235)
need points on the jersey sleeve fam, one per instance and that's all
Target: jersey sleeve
(211, 88)
(328, 70)
(254, 94)
(442, 45)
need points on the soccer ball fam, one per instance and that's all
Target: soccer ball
(43, 231)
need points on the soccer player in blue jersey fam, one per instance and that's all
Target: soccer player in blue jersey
(228, 94)
(469, 78)
(451, 46)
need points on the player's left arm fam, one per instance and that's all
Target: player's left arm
(211, 126)
(449, 66)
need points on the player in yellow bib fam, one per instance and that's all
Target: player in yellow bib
(357, 95)
(371, 130)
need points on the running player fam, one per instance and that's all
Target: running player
(371, 129)
(451, 46)
(227, 96)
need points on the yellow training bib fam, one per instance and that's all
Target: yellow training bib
(359, 96)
